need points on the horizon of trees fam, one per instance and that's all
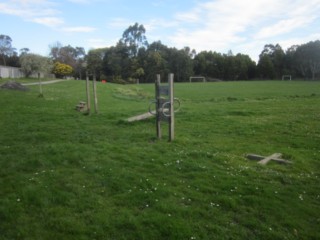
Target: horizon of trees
(134, 59)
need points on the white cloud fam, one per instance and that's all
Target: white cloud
(191, 17)
(218, 24)
(283, 26)
(156, 24)
(286, 43)
(100, 43)
(120, 23)
(87, 1)
(48, 21)
(38, 11)
(29, 8)
(79, 1)
(79, 29)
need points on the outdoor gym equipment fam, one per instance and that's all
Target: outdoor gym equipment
(164, 103)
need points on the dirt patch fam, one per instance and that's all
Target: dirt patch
(14, 86)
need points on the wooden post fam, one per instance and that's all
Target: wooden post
(158, 118)
(88, 93)
(171, 109)
(269, 158)
(40, 86)
(95, 93)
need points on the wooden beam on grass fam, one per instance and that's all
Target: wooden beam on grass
(264, 160)
(141, 116)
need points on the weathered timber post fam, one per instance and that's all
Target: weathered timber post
(95, 93)
(171, 108)
(158, 120)
(165, 105)
(40, 85)
(88, 93)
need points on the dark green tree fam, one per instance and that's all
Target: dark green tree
(116, 64)
(6, 49)
(134, 38)
(307, 59)
(180, 64)
(277, 57)
(94, 61)
(153, 60)
(266, 67)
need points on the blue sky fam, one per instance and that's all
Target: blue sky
(242, 26)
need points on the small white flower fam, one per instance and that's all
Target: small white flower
(18, 199)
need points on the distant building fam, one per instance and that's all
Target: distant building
(14, 72)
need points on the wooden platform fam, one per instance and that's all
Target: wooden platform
(81, 106)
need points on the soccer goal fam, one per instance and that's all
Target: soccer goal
(197, 79)
(286, 77)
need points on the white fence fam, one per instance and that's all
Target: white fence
(10, 72)
(14, 72)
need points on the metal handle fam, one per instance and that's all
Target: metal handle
(150, 111)
(178, 101)
(162, 109)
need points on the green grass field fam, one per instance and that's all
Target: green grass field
(66, 175)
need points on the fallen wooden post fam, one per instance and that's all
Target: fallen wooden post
(141, 116)
(145, 115)
(264, 160)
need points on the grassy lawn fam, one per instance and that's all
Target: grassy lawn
(65, 175)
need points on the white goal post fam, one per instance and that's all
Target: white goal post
(202, 79)
(286, 77)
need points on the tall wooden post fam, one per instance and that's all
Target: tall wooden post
(158, 107)
(88, 93)
(40, 86)
(95, 93)
(171, 108)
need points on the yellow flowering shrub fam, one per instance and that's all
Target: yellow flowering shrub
(62, 70)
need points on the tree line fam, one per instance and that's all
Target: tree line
(133, 59)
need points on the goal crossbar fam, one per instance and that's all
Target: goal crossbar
(284, 77)
(199, 77)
